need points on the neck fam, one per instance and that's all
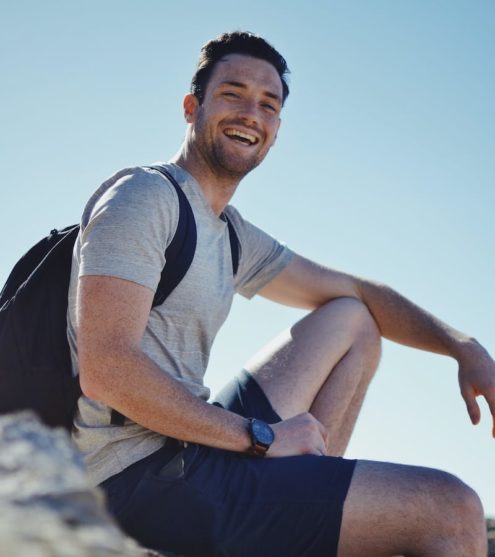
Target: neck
(217, 187)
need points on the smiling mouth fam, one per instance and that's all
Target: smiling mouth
(241, 137)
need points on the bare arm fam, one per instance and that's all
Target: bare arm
(111, 319)
(308, 285)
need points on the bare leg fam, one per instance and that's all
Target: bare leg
(392, 509)
(324, 365)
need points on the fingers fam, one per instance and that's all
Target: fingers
(471, 389)
(326, 438)
(321, 447)
(477, 378)
(468, 393)
(491, 405)
(319, 436)
(474, 410)
(472, 406)
(311, 434)
(301, 434)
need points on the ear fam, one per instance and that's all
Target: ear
(190, 105)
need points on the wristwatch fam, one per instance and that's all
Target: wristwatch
(262, 437)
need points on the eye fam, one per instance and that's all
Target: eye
(230, 95)
(269, 107)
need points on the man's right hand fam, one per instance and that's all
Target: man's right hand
(302, 434)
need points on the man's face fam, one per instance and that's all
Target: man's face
(237, 123)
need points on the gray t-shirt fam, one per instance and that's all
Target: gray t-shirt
(125, 229)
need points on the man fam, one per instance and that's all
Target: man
(188, 476)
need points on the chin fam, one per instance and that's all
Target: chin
(240, 170)
(237, 166)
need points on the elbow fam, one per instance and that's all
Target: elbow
(103, 370)
(96, 374)
(88, 386)
(91, 385)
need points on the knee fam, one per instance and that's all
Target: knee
(467, 503)
(464, 521)
(359, 321)
(459, 504)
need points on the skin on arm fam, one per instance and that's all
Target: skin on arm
(305, 284)
(111, 318)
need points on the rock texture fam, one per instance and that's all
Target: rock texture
(47, 506)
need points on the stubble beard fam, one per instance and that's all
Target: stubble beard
(221, 162)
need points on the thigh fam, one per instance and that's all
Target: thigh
(220, 503)
(155, 503)
(293, 367)
(243, 395)
(390, 508)
(290, 506)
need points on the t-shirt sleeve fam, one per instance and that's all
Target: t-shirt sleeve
(127, 227)
(262, 257)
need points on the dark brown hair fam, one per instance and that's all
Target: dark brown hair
(237, 42)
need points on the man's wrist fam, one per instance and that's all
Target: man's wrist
(466, 349)
(262, 437)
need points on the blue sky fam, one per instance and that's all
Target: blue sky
(384, 167)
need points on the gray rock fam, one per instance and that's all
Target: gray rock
(47, 506)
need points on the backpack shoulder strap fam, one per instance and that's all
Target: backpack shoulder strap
(234, 245)
(178, 256)
(180, 252)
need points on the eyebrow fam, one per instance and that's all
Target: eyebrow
(244, 86)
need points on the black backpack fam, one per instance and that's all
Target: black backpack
(35, 363)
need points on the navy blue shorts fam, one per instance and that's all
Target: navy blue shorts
(197, 501)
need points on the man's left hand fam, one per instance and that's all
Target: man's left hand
(477, 378)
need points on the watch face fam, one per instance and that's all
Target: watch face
(262, 432)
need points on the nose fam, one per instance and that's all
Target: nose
(248, 113)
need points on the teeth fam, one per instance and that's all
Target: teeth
(233, 133)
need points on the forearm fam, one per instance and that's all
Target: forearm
(306, 284)
(309, 285)
(132, 384)
(402, 321)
